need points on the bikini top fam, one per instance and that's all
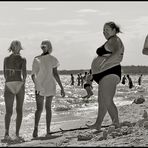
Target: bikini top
(101, 50)
(12, 71)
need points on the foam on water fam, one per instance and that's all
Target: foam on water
(73, 105)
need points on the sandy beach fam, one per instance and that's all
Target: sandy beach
(131, 134)
(71, 113)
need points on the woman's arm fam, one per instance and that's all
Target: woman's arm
(56, 76)
(24, 71)
(145, 48)
(4, 67)
(114, 44)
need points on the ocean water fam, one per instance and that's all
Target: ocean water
(73, 107)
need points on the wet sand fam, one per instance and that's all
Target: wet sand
(136, 136)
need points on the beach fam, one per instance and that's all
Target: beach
(131, 113)
(72, 114)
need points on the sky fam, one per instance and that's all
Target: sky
(75, 29)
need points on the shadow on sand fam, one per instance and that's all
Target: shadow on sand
(46, 137)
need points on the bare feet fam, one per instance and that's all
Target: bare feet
(89, 95)
(35, 133)
(7, 137)
(48, 135)
(85, 96)
(19, 138)
(93, 126)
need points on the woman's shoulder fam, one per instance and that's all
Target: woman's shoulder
(38, 56)
(5, 58)
(115, 41)
(23, 58)
(52, 57)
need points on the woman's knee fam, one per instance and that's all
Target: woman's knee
(48, 107)
(9, 112)
(109, 103)
(39, 109)
(19, 110)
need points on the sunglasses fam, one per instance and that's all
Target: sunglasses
(43, 46)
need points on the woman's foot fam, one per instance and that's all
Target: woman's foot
(85, 96)
(19, 138)
(93, 126)
(35, 133)
(7, 137)
(48, 135)
(89, 95)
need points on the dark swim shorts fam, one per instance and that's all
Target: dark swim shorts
(114, 70)
(85, 85)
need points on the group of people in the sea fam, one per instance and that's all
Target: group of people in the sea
(130, 82)
(105, 70)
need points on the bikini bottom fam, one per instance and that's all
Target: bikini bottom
(114, 70)
(14, 86)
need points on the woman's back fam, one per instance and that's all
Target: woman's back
(13, 66)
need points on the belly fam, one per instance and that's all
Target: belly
(97, 63)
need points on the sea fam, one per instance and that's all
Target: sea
(72, 106)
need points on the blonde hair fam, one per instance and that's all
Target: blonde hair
(15, 44)
(48, 43)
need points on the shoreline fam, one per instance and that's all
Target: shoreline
(129, 113)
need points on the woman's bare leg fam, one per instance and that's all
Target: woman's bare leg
(48, 113)
(9, 100)
(38, 112)
(106, 92)
(19, 108)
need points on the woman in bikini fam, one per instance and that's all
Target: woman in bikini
(88, 85)
(15, 75)
(106, 70)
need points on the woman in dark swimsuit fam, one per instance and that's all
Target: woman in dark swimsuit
(106, 70)
(15, 76)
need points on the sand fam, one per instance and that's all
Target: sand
(131, 134)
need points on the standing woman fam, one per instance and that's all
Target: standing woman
(44, 74)
(15, 76)
(106, 70)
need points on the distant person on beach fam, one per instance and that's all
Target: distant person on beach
(106, 71)
(140, 79)
(15, 75)
(81, 80)
(130, 82)
(85, 74)
(123, 80)
(78, 79)
(88, 85)
(72, 79)
(45, 75)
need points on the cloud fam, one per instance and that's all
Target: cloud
(77, 22)
(87, 11)
(73, 22)
(139, 26)
(35, 9)
(7, 24)
(83, 12)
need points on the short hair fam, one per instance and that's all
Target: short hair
(48, 43)
(114, 26)
(15, 44)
